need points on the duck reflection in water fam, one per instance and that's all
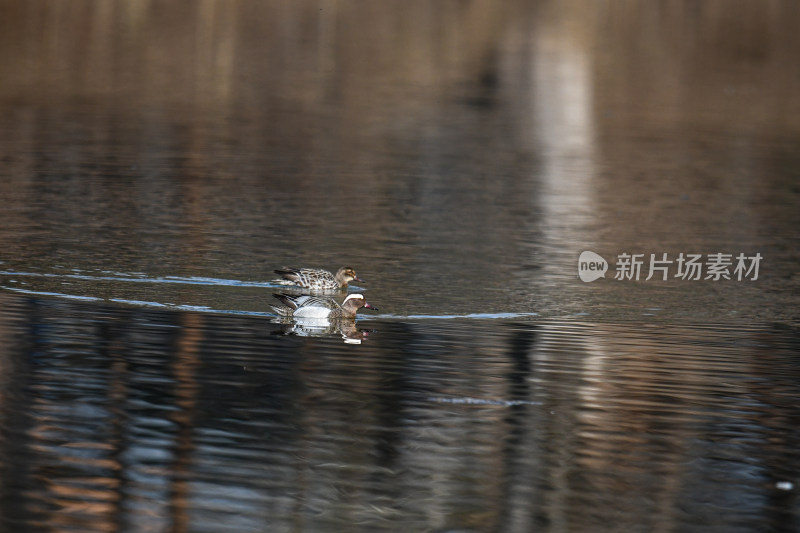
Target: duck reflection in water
(322, 327)
(306, 315)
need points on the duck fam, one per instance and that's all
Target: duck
(322, 327)
(317, 279)
(316, 307)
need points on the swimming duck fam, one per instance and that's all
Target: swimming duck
(315, 279)
(305, 306)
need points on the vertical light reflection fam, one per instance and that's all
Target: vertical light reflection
(564, 131)
(186, 389)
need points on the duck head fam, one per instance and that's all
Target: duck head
(353, 303)
(345, 275)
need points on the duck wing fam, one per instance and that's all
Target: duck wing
(308, 277)
(305, 305)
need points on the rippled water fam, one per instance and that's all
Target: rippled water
(158, 162)
(140, 419)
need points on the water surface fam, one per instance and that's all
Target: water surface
(138, 419)
(158, 162)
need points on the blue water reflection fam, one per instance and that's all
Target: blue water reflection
(134, 419)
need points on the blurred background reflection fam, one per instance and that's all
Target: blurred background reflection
(158, 161)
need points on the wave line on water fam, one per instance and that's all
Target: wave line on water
(130, 278)
(57, 294)
(482, 401)
(140, 303)
(483, 316)
(207, 309)
(193, 308)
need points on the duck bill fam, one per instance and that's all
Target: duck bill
(368, 306)
(355, 278)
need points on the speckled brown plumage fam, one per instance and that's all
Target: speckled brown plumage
(316, 279)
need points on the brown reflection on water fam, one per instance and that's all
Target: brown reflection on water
(496, 139)
(671, 402)
(188, 355)
(460, 155)
(117, 419)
